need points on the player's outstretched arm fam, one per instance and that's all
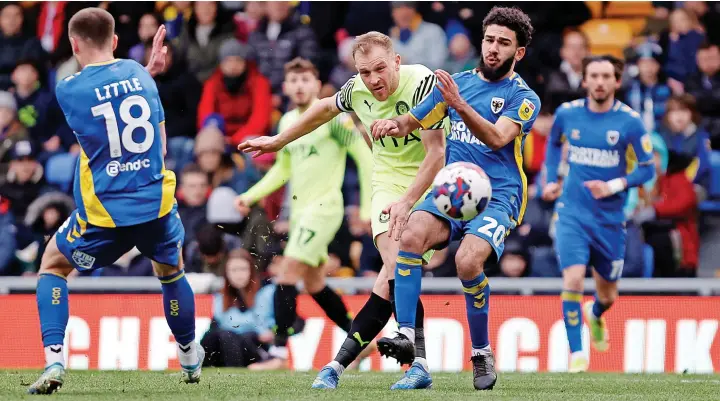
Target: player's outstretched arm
(397, 127)
(316, 115)
(434, 142)
(277, 176)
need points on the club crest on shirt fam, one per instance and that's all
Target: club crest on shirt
(401, 108)
(496, 104)
(527, 109)
(83, 260)
(384, 217)
(613, 137)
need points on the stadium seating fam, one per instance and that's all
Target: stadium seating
(712, 205)
(608, 36)
(628, 9)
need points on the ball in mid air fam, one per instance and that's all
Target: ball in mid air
(461, 191)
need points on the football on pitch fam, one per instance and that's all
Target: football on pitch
(461, 191)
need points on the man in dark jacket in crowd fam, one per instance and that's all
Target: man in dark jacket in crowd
(179, 92)
(14, 45)
(279, 38)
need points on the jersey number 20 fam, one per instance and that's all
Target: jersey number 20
(131, 123)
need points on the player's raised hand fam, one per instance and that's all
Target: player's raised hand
(599, 189)
(449, 89)
(260, 145)
(399, 214)
(156, 63)
(551, 191)
(382, 128)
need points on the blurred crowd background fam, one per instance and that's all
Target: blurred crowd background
(223, 84)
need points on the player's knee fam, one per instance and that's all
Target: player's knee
(574, 278)
(291, 272)
(314, 281)
(413, 239)
(54, 262)
(162, 270)
(469, 265)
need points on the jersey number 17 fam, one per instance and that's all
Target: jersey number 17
(131, 123)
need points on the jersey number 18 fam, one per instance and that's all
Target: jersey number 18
(131, 123)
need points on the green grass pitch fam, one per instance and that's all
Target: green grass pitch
(238, 384)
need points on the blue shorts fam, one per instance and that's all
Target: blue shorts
(94, 247)
(492, 225)
(579, 242)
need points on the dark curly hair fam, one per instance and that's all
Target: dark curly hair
(512, 18)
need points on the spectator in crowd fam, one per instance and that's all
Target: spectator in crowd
(14, 44)
(417, 41)
(648, 93)
(43, 218)
(25, 179)
(565, 84)
(8, 243)
(515, 262)
(704, 85)
(148, 26)
(247, 21)
(462, 54)
(179, 92)
(201, 38)
(280, 37)
(682, 135)
(209, 252)
(343, 71)
(243, 316)
(39, 111)
(680, 44)
(234, 171)
(237, 93)
(192, 199)
(11, 130)
(175, 17)
(127, 18)
(669, 220)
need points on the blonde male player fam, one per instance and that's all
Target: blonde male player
(404, 169)
(314, 167)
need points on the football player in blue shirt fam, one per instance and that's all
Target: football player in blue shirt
(491, 110)
(124, 195)
(609, 151)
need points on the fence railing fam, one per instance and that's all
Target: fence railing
(205, 283)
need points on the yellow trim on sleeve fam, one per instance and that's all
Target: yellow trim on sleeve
(435, 115)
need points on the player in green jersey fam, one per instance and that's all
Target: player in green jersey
(314, 167)
(402, 173)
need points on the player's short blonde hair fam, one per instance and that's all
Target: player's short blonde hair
(367, 41)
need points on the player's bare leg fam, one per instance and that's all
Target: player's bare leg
(605, 296)
(52, 300)
(369, 322)
(179, 305)
(573, 286)
(470, 260)
(423, 231)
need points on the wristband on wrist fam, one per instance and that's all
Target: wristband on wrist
(616, 185)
